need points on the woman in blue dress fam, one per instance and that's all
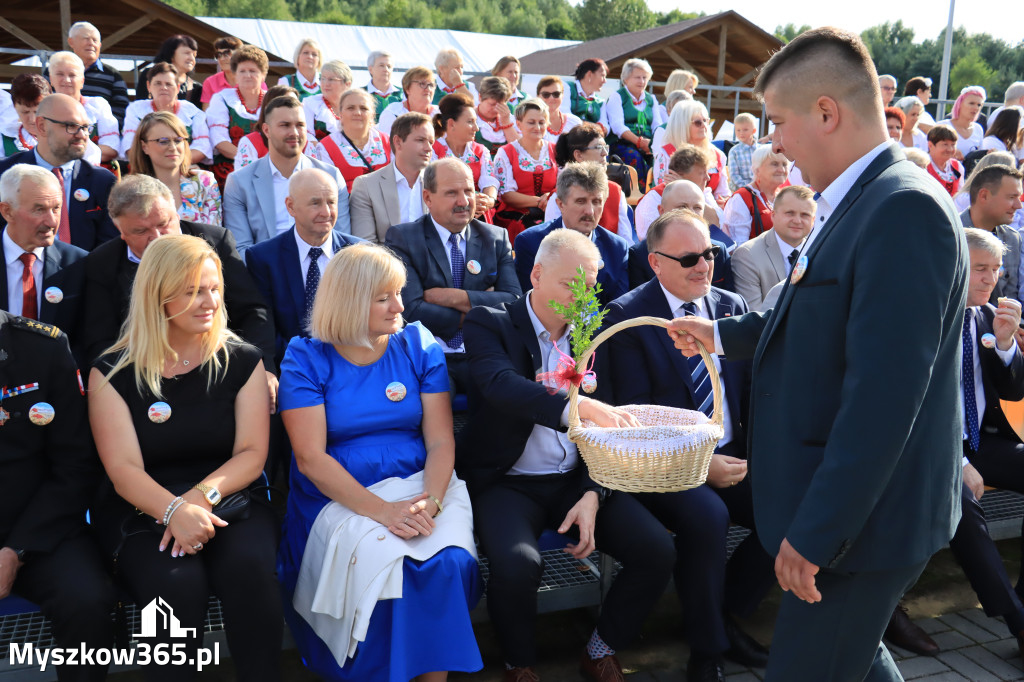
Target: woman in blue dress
(367, 409)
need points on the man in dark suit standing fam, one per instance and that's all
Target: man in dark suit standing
(643, 368)
(525, 475)
(452, 262)
(43, 277)
(287, 268)
(581, 192)
(143, 210)
(854, 432)
(62, 132)
(48, 474)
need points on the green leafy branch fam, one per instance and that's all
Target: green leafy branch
(583, 315)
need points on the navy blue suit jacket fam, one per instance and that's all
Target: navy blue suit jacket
(613, 277)
(88, 218)
(62, 268)
(426, 262)
(275, 268)
(642, 366)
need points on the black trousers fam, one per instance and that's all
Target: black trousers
(458, 373)
(238, 566)
(74, 590)
(511, 515)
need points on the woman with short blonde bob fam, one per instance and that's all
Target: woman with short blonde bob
(180, 414)
(309, 56)
(367, 409)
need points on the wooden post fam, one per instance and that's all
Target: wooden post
(721, 54)
(65, 23)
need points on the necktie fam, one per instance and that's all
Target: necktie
(793, 255)
(29, 304)
(702, 394)
(458, 269)
(64, 229)
(312, 278)
(967, 373)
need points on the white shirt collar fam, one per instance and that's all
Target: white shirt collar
(445, 234)
(13, 252)
(834, 194)
(538, 326)
(674, 302)
(400, 178)
(785, 248)
(303, 163)
(327, 247)
(302, 79)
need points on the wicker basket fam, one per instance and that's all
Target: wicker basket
(671, 450)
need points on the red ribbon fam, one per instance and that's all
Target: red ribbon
(566, 374)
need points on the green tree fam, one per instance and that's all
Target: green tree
(599, 18)
(971, 69)
(675, 16)
(334, 16)
(789, 31)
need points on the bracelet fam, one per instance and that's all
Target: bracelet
(500, 127)
(171, 508)
(438, 503)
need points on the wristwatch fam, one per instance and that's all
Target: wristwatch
(211, 494)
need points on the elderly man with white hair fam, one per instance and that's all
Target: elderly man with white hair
(67, 76)
(450, 66)
(748, 213)
(101, 80)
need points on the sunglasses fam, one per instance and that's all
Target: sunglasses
(689, 260)
(551, 95)
(221, 54)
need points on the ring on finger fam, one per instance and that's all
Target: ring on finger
(405, 519)
(197, 547)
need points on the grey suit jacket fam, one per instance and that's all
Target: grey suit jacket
(1009, 283)
(374, 204)
(757, 266)
(249, 210)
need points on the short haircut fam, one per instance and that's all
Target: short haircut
(686, 157)
(227, 43)
(975, 90)
(1014, 92)
(824, 61)
(15, 176)
(798, 191)
(159, 68)
(559, 241)
(301, 175)
(908, 103)
(528, 105)
(338, 69)
(991, 178)
(450, 108)
(351, 280)
(495, 88)
(588, 175)
(406, 123)
(28, 89)
(588, 66)
(916, 85)
(430, 172)
(171, 45)
(282, 102)
(745, 117)
(991, 159)
(656, 232)
(983, 240)
(362, 94)
(503, 64)
(140, 161)
(64, 57)
(80, 26)
(764, 153)
(631, 65)
(309, 42)
(576, 140)
(416, 73)
(675, 97)
(550, 80)
(136, 194)
(269, 96)
(917, 157)
(896, 113)
(372, 58)
(942, 132)
(888, 77)
(446, 56)
(680, 79)
(250, 53)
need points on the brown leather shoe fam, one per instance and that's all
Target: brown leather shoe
(902, 632)
(604, 669)
(521, 675)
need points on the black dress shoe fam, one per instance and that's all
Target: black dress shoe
(701, 669)
(743, 648)
(902, 632)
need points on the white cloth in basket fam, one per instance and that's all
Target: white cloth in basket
(351, 561)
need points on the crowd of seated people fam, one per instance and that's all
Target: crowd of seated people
(312, 273)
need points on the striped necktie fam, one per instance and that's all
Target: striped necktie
(703, 396)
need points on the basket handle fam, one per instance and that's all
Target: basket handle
(716, 381)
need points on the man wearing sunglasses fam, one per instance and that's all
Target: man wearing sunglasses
(62, 134)
(642, 367)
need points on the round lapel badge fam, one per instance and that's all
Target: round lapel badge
(159, 412)
(988, 340)
(395, 391)
(600, 263)
(53, 295)
(41, 414)
(473, 267)
(799, 269)
(81, 194)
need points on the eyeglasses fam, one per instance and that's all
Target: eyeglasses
(551, 95)
(222, 54)
(600, 148)
(71, 128)
(701, 122)
(332, 81)
(166, 142)
(426, 85)
(689, 260)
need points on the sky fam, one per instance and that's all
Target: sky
(1000, 18)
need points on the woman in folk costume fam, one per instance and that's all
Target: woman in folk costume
(418, 85)
(163, 89)
(582, 95)
(497, 125)
(633, 114)
(357, 148)
(381, 65)
(455, 127)
(323, 111)
(689, 124)
(233, 112)
(526, 171)
(511, 70)
(308, 59)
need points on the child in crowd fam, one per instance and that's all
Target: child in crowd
(948, 171)
(740, 173)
